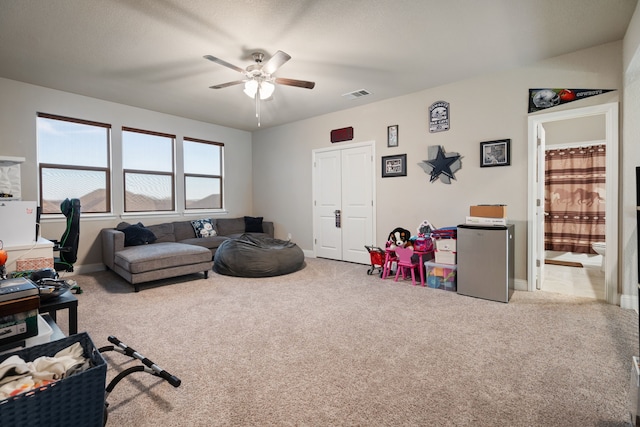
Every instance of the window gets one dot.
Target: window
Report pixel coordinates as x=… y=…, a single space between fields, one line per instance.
x=147 y=161
x=73 y=162
x=202 y=174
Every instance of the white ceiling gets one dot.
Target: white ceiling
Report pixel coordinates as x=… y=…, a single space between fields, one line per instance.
x=149 y=53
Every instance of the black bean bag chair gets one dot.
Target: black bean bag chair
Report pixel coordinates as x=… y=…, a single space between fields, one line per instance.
x=257 y=256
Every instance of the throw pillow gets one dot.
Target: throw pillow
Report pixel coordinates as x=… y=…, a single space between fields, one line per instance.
x=253 y=224
x=204 y=227
x=122 y=226
x=138 y=234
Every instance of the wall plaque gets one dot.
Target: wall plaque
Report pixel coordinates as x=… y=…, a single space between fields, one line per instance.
x=344 y=134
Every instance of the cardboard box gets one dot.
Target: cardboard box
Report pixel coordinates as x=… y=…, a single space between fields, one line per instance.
x=445 y=257
x=19 y=305
x=446 y=245
x=33 y=264
x=488 y=211
x=441 y=276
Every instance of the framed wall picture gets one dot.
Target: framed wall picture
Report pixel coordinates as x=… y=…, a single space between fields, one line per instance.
x=394 y=166
x=392 y=136
x=495 y=153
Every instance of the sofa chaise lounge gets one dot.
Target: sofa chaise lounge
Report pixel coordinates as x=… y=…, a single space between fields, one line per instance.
x=172 y=249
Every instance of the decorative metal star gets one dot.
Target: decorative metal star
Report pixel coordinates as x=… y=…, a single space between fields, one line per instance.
x=442 y=164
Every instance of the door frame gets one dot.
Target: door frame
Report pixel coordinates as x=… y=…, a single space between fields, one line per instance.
x=610 y=112
x=371 y=144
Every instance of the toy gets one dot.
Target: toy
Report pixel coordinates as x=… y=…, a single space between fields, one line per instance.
x=377 y=259
x=3 y=260
x=423 y=242
x=425 y=228
x=399 y=237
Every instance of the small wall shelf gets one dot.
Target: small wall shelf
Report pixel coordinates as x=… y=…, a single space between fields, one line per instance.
x=10 y=161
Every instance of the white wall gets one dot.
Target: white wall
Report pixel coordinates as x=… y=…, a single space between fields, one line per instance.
x=269 y=173
x=19 y=105
x=630 y=159
x=482 y=109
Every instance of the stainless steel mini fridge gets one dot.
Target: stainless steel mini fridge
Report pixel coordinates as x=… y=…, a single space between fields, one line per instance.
x=485 y=261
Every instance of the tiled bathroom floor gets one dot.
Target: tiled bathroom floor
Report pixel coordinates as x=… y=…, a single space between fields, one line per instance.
x=579 y=281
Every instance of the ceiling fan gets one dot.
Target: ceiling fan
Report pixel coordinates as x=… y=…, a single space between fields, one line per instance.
x=259 y=79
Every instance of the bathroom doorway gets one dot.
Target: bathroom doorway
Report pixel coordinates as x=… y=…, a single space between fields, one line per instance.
x=597 y=124
x=575 y=207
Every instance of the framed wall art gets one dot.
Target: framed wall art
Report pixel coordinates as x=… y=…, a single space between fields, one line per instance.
x=394 y=166
x=495 y=153
x=392 y=136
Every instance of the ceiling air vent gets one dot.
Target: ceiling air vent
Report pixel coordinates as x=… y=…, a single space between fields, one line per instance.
x=356 y=94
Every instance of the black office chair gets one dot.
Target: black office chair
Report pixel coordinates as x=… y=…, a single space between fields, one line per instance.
x=68 y=243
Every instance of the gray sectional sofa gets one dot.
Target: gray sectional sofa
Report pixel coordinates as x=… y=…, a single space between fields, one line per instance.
x=172 y=249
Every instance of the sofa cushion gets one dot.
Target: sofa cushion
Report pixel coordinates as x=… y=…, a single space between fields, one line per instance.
x=183 y=230
x=253 y=224
x=140 y=259
x=206 y=242
x=163 y=232
x=138 y=234
x=204 y=227
x=229 y=226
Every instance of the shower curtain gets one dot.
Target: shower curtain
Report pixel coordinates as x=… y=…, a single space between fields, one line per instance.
x=575 y=198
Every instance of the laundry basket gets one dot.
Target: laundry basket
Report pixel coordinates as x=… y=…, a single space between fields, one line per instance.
x=78 y=400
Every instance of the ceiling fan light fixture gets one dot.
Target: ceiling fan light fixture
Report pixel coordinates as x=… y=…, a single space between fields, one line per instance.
x=259 y=81
x=266 y=90
x=250 y=88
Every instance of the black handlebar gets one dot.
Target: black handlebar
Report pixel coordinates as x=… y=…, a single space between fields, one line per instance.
x=171 y=379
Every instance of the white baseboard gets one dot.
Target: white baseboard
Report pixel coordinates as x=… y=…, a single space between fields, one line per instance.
x=629 y=302
x=520 y=285
x=84 y=269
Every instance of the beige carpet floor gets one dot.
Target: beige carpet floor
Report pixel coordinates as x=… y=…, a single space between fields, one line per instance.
x=331 y=346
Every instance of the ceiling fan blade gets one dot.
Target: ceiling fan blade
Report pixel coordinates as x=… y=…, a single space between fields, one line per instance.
x=297 y=83
x=223 y=63
x=223 y=85
x=275 y=62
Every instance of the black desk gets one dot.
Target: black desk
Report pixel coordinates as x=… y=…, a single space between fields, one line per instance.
x=64 y=301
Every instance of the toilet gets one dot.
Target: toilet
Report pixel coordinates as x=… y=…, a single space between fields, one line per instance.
x=600 y=248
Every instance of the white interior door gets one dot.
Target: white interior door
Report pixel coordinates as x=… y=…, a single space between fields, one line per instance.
x=328 y=201
x=357 y=204
x=343 y=203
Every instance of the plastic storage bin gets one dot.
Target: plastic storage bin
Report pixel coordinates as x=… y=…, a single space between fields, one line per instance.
x=78 y=400
x=446 y=257
x=441 y=276
x=44 y=334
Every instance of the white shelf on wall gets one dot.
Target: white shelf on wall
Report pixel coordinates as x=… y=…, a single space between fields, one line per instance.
x=10 y=161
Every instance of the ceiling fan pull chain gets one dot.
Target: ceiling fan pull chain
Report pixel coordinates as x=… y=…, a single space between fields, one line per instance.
x=258 y=105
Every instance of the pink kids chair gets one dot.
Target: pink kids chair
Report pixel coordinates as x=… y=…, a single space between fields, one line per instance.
x=405 y=263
